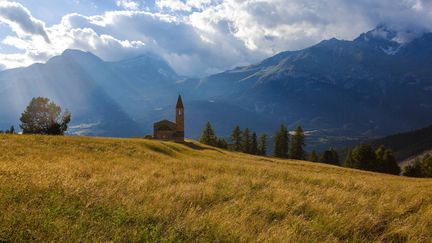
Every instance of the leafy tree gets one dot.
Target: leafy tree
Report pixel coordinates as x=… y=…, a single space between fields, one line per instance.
x=381 y=160
x=330 y=157
x=246 y=141
x=313 y=157
x=386 y=162
x=262 y=146
x=281 y=142
x=422 y=167
x=236 y=138
x=254 y=144
x=222 y=143
x=361 y=157
x=297 y=144
x=44 y=117
x=208 y=135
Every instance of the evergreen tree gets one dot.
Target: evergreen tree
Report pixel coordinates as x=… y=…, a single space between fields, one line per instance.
x=313 y=157
x=222 y=143
x=208 y=135
x=281 y=142
x=297 y=144
x=262 y=146
x=335 y=156
x=246 y=141
x=236 y=138
x=12 y=130
x=254 y=144
x=330 y=157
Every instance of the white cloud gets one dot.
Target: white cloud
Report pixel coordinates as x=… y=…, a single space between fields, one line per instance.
x=178 y=5
x=202 y=36
x=20 y=20
x=128 y=4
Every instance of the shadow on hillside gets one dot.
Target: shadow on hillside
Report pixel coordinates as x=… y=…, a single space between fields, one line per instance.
x=198 y=147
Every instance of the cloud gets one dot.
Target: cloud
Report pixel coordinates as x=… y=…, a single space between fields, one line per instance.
x=187 y=49
x=277 y=25
x=178 y=5
x=128 y=4
x=198 y=37
x=21 y=21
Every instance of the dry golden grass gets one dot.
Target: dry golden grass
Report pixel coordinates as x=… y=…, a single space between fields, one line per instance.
x=95 y=189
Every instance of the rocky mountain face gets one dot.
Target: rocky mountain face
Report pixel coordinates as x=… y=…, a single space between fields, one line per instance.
x=372 y=86
x=339 y=91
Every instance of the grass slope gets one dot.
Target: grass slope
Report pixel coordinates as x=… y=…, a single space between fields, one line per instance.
x=93 y=189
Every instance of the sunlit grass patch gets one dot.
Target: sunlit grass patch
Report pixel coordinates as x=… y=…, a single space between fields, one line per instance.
x=104 y=189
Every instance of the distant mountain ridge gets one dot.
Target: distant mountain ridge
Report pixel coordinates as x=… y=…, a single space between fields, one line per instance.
x=355 y=88
x=339 y=91
x=103 y=95
x=408 y=144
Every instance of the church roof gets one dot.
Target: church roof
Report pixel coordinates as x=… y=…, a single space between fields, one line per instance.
x=179 y=102
x=164 y=122
x=165 y=125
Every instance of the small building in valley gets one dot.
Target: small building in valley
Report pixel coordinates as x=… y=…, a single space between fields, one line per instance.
x=168 y=130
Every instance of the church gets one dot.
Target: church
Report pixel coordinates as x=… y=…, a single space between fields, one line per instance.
x=167 y=130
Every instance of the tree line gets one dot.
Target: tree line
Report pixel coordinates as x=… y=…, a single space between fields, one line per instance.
x=291 y=146
x=245 y=141
x=11 y=130
x=249 y=142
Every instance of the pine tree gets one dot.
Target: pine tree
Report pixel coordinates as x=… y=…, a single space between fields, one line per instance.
x=222 y=143
x=246 y=141
x=254 y=144
x=281 y=142
x=330 y=157
x=313 y=157
x=236 y=138
x=12 y=130
x=297 y=144
x=208 y=135
x=335 y=156
x=348 y=160
x=262 y=146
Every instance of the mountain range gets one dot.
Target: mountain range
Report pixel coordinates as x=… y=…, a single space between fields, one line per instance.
x=340 y=91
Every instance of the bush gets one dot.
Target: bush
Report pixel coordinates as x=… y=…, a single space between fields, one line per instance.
x=421 y=167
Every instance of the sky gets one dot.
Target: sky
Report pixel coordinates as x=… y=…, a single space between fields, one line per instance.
x=196 y=37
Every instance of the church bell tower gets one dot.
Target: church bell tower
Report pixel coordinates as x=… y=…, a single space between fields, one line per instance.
x=180 y=117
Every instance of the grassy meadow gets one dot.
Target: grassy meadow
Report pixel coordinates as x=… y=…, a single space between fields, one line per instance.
x=69 y=189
